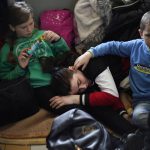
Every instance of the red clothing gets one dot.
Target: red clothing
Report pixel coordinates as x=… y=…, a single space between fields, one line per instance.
x=105 y=99
x=104 y=91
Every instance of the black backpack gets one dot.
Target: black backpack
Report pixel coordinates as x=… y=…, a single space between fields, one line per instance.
x=76 y=129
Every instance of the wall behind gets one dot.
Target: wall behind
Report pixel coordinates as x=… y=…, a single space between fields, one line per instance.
x=40 y=5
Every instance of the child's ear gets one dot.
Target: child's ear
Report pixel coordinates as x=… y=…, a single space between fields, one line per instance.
x=141 y=33
x=11 y=28
x=71 y=68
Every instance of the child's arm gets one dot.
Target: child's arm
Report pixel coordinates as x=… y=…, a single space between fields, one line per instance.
x=23 y=58
x=92 y=99
x=107 y=95
x=58 y=43
x=9 y=70
x=126 y=100
x=122 y=49
x=59 y=101
x=51 y=36
x=83 y=60
x=59 y=47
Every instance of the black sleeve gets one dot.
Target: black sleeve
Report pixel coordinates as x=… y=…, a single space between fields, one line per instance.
x=96 y=66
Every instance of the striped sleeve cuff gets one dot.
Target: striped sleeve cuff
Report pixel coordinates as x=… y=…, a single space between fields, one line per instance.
x=90 y=51
x=84 y=99
x=122 y=112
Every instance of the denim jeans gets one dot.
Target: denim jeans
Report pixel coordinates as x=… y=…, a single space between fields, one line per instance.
x=141 y=115
x=141 y=118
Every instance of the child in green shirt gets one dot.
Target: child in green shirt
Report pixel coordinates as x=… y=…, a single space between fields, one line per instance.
x=26 y=47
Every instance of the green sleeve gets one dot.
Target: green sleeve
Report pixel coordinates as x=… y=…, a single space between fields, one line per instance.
x=60 y=47
x=9 y=71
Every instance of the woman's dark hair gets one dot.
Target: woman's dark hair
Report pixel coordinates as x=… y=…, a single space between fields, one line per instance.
x=145 y=20
x=60 y=83
x=17 y=14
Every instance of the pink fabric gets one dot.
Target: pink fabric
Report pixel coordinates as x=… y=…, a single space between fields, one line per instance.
x=59 y=21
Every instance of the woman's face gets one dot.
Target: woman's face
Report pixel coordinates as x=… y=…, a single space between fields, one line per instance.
x=79 y=83
x=24 y=29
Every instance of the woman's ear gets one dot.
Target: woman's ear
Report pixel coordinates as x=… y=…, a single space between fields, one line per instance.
x=71 y=68
x=11 y=28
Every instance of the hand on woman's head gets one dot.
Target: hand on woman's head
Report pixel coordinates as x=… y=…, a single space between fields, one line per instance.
x=82 y=60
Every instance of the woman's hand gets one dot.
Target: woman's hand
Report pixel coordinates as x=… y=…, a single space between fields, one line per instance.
x=51 y=36
x=23 y=58
x=83 y=60
x=59 y=101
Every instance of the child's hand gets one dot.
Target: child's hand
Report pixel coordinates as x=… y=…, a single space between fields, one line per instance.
x=126 y=116
x=51 y=36
x=23 y=58
x=59 y=101
x=82 y=60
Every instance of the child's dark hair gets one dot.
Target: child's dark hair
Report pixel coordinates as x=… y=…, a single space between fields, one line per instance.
x=145 y=20
x=18 y=13
x=60 y=83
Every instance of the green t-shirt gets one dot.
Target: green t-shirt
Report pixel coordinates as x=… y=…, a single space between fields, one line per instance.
x=34 y=70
